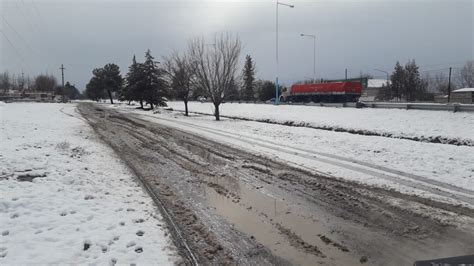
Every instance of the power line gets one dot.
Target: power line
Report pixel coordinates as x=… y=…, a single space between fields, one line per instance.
x=37 y=9
x=24 y=17
x=19 y=36
x=13 y=46
x=435 y=70
x=16 y=51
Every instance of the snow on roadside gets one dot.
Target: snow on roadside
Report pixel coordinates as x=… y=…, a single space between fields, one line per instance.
x=82 y=205
x=404 y=123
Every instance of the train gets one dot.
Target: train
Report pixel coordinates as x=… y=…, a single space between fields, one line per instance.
x=344 y=91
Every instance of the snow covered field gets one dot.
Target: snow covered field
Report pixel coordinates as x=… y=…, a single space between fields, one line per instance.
x=405 y=123
x=443 y=166
x=67 y=199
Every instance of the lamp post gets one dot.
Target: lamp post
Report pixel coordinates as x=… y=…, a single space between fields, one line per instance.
x=383 y=71
x=314 y=52
x=277 y=100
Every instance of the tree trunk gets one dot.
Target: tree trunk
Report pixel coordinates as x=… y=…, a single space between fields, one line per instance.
x=141 y=104
x=110 y=96
x=216 y=112
x=186 y=108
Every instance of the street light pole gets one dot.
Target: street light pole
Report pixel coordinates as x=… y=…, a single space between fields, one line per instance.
x=277 y=100
x=383 y=72
x=314 y=52
x=386 y=72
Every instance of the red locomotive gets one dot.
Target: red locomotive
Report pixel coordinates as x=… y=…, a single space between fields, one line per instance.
x=347 y=91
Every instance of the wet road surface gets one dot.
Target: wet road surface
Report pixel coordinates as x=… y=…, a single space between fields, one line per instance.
x=233 y=207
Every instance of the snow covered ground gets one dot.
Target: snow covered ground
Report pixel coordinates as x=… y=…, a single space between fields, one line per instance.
x=407 y=123
x=82 y=205
x=444 y=167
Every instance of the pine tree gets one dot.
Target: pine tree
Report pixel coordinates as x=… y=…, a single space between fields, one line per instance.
x=397 y=82
x=249 y=78
x=133 y=90
x=111 y=79
x=233 y=93
x=154 y=86
x=106 y=79
x=412 y=83
x=94 y=89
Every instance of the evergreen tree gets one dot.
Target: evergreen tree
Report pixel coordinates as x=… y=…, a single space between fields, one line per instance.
x=133 y=90
x=71 y=91
x=397 y=82
x=154 y=85
x=106 y=79
x=94 y=89
x=111 y=79
x=384 y=93
x=414 y=86
x=233 y=93
x=266 y=90
x=249 y=79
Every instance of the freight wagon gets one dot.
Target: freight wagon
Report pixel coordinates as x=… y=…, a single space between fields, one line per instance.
x=348 y=91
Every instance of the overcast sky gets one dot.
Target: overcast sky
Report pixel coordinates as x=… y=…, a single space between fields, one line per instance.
x=37 y=36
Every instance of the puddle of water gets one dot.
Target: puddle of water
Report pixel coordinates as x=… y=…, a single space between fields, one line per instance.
x=264 y=232
x=259 y=221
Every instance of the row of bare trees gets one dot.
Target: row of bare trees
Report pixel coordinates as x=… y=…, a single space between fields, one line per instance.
x=461 y=78
x=208 y=70
x=202 y=69
x=20 y=83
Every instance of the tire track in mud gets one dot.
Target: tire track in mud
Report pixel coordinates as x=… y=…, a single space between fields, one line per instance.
x=407 y=179
x=180 y=241
x=349 y=201
x=202 y=238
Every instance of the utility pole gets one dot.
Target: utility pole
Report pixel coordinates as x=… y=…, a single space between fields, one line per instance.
x=346 y=73
x=277 y=100
x=388 y=86
x=22 y=81
x=62 y=79
x=449 y=85
x=62 y=74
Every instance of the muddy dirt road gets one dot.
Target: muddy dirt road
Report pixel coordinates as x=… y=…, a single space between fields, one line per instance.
x=233 y=207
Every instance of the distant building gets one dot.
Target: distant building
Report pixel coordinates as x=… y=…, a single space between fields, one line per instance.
x=465 y=95
x=372 y=90
x=28 y=96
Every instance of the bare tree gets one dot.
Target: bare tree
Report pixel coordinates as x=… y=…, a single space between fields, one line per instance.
x=215 y=66
x=21 y=82
x=5 y=82
x=45 y=83
x=438 y=83
x=30 y=84
x=466 y=77
x=180 y=77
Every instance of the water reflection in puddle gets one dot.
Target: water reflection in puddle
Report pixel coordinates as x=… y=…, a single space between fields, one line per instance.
x=256 y=213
